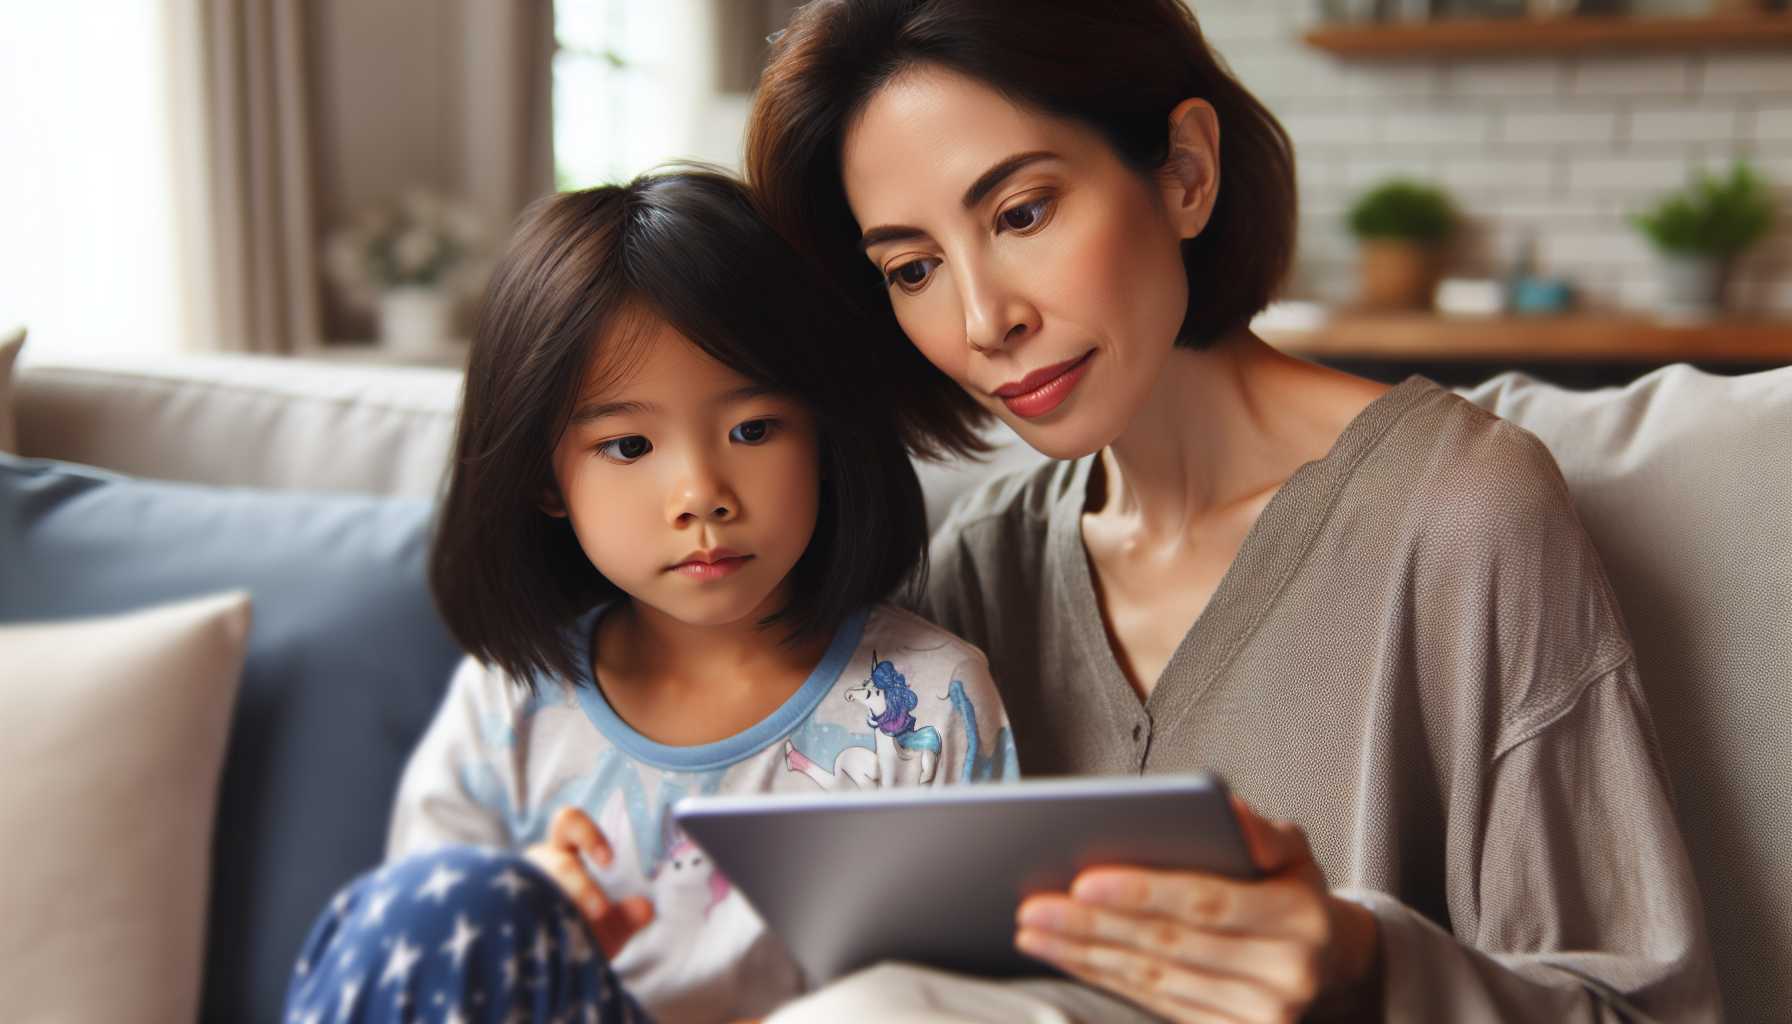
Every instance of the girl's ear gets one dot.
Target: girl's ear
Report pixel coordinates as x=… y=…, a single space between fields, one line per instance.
x=552 y=503
x=1190 y=176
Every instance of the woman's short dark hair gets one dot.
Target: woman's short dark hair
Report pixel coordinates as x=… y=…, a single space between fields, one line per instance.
x=582 y=270
x=1118 y=66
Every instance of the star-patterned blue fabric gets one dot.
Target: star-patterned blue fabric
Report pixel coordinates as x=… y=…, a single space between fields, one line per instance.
x=460 y=935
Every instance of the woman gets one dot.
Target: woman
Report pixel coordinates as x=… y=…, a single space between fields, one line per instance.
x=1372 y=609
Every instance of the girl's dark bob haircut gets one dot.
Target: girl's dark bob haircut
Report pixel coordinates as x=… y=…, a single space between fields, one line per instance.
x=583 y=270
x=1117 y=66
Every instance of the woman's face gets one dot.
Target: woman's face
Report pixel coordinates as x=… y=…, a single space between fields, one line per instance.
x=1021 y=255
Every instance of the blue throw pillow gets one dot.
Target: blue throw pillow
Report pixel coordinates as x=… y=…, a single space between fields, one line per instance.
x=347 y=662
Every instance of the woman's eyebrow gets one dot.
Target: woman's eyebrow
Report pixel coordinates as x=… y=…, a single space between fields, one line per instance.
x=980 y=189
x=990 y=179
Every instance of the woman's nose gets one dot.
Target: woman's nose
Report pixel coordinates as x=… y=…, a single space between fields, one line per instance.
x=994 y=315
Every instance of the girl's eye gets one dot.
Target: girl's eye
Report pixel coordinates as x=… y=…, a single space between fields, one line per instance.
x=751 y=432
x=1025 y=217
x=625 y=449
x=911 y=276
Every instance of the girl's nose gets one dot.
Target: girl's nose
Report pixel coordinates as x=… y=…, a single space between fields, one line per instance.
x=703 y=498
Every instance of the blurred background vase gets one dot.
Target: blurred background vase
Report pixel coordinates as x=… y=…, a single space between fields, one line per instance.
x=1700 y=232
x=1398 y=274
x=415 y=318
x=1401 y=227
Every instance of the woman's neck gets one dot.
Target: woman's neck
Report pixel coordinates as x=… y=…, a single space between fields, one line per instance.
x=1222 y=426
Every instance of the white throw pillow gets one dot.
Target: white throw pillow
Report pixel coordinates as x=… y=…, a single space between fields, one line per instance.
x=114 y=734
x=10 y=342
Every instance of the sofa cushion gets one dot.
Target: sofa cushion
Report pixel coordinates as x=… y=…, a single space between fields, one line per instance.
x=1684 y=481
x=110 y=828
x=246 y=421
x=347 y=661
x=11 y=340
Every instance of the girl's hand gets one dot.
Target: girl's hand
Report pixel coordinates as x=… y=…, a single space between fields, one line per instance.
x=572 y=833
x=1200 y=948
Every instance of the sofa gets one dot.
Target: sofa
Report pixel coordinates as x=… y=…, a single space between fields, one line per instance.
x=307 y=484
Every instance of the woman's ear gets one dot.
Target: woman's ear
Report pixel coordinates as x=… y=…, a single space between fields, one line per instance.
x=1190 y=176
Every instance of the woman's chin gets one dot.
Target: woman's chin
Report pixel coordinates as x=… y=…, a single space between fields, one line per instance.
x=1063 y=436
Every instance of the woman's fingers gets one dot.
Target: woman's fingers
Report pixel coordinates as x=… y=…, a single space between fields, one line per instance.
x=1284 y=907
x=572 y=827
x=1285 y=965
x=1175 y=991
x=563 y=865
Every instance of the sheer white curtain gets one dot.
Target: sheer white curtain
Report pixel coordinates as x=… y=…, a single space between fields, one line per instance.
x=89 y=256
x=244 y=190
x=155 y=180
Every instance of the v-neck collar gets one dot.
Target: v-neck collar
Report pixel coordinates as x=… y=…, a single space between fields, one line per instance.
x=1274 y=547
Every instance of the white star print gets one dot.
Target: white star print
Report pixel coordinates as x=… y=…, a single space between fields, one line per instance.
x=440 y=881
x=340 y=903
x=511 y=882
x=376 y=907
x=399 y=964
x=464 y=934
x=512 y=967
x=454 y=1016
x=578 y=948
x=350 y=989
x=544 y=946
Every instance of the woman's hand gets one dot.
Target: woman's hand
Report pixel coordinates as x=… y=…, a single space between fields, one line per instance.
x=1199 y=948
x=572 y=833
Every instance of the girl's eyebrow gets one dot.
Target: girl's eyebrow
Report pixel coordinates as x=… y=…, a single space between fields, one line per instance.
x=598 y=410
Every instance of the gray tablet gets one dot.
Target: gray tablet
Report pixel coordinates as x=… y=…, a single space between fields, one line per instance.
x=934 y=876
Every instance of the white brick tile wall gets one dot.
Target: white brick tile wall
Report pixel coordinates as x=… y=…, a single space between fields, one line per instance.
x=1531 y=128
x=1630 y=76
x=1682 y=124
x=1564 y=148
x=1437 y=128
x=1773 y=124
x=1756 y=74
x=1505 y=80
x=1627 y=174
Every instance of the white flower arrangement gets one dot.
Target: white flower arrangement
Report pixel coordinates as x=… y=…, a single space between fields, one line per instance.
x=422 y=240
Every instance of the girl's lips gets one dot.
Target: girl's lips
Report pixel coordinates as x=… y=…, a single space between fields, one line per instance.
x=712 y=570
x=1044 y=390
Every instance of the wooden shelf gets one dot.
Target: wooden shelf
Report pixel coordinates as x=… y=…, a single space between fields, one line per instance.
x=1584 y=338
x=1519 y=37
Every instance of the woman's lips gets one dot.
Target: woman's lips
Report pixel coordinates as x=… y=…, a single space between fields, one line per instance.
x=1043 y=390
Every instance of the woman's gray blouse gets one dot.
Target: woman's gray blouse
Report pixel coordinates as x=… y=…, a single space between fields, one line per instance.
x=1416 y=656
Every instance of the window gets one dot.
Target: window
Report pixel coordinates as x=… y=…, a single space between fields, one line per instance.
x=638 y=83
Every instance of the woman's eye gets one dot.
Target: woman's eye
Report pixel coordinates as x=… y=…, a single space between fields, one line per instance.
x=1026 y=216
x=751 y=432
x=625 y=449
x=912 y=275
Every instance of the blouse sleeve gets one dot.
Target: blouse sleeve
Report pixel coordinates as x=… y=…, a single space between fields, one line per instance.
x=1586 y=907
x=455 y=786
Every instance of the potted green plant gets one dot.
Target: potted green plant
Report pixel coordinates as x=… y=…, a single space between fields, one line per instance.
x=1699 y=232
x=1401 y=227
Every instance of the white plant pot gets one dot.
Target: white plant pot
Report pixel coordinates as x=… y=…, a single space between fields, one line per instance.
x=415 y=320
x=1692 y=287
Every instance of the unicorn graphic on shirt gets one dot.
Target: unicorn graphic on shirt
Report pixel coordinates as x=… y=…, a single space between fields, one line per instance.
x=890 y=705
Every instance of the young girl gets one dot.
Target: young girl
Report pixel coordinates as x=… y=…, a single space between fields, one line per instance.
x=675 y=506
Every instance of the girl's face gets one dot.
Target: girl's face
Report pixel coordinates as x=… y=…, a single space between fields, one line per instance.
x=1022 y=256
x=690 y=488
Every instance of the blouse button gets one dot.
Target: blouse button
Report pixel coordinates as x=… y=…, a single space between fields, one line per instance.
x=1137 y=729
